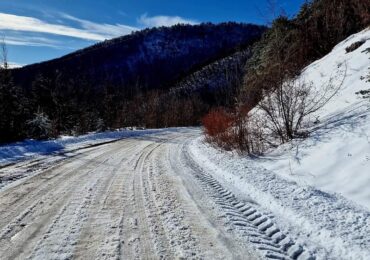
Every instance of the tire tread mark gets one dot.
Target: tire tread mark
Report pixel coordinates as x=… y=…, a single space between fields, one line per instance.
x=246 y=217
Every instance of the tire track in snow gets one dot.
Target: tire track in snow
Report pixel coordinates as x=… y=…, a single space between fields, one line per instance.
x=148 y=248
x=161 y=240
x=18 y=235
x=101 y=237
x=254 y=224
x=50 y=194
x=133 y=227
x=63 y=235
x=17 y=199
x=155 y=214
x=108 y=211
x=165 y=207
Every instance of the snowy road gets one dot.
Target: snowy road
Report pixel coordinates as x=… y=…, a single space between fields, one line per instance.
x=120 y=200
x=143 y=197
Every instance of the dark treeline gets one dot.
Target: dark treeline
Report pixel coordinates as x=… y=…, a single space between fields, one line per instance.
x=56 y=107
x=13 y=107
x=135 y=80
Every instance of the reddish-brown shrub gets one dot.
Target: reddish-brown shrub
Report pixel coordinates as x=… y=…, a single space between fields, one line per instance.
x=217 y=122
x=233 y=131
x=218 y=126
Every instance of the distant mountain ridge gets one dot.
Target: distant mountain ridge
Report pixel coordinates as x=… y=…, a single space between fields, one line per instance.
x=150 y=59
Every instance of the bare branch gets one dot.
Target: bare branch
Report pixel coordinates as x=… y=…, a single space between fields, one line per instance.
x=3 y=54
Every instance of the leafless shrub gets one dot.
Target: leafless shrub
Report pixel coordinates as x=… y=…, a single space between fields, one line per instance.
x=249 y=134
x=283 y=114
x=289 y=110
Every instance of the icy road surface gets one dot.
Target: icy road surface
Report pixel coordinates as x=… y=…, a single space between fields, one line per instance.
x=143 y=197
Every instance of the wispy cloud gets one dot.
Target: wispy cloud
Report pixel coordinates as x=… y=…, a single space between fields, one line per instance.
x=88 y=31
x=105 y=30
x=162 y=20
x=23 y=40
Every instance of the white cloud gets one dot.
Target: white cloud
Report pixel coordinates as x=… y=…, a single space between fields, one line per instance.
x=105 y=30
x=89 y=31
x=161 y=20
x=13 y=65
x=24 y=40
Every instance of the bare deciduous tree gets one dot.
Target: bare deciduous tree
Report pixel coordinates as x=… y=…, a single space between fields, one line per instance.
x=3 y=54
x=271 y=11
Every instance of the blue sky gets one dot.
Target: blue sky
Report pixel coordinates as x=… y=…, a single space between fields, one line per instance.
x=38 y=30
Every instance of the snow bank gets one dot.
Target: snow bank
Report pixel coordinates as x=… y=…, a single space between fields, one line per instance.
x=30 y=148
x=315 y=219
x=336 y=158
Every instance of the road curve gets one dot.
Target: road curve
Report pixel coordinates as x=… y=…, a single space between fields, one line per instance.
x=137 y=198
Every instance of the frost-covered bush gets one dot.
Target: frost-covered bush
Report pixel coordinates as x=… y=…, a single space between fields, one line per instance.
x=100 y=125
x=40 y=126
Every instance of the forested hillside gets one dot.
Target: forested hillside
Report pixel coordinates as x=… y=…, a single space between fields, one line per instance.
x=121 y=82
x=151 y=59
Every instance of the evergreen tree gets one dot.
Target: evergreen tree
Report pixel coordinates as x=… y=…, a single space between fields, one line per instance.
x=11 y=107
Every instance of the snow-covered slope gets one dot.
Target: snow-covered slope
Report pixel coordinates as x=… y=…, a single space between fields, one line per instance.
x=336 y=158
x=317 y=189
